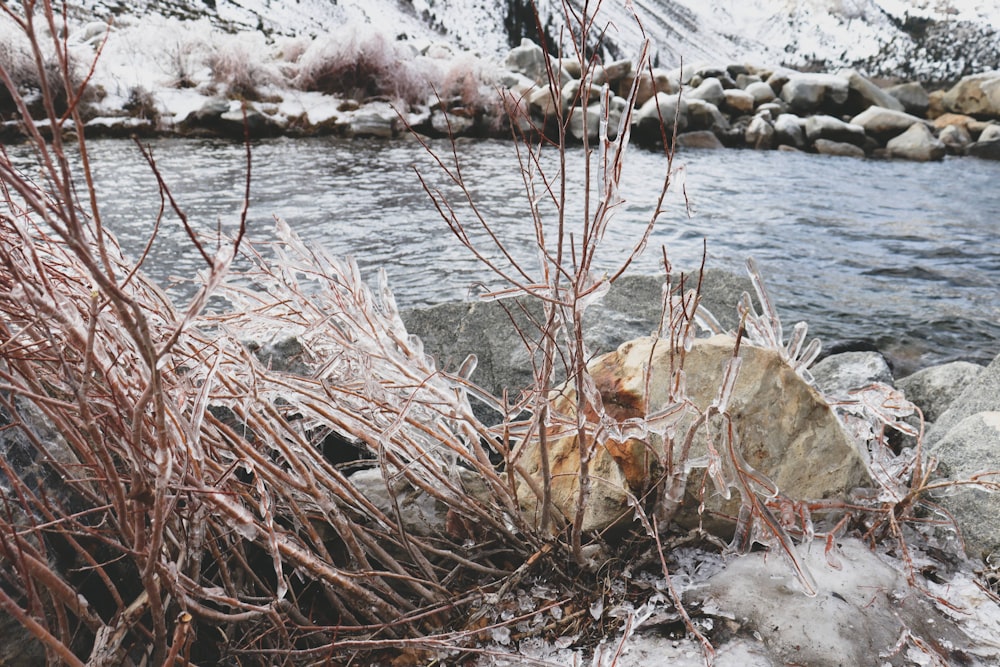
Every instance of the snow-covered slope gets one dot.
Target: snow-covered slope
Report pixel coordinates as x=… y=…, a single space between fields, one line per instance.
x=911 y=39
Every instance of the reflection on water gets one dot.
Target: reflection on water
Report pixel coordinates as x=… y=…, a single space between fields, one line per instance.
x=903 y=254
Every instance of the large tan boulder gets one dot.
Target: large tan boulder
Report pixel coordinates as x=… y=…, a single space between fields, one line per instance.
x=784 y=427
x=975 y=95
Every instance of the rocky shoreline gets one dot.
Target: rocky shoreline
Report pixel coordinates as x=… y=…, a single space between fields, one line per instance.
x=447 y=93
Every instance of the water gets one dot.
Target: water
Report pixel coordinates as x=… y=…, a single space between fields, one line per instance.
x=901 y=254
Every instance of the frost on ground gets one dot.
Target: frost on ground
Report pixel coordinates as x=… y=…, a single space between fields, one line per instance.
x=755 y=614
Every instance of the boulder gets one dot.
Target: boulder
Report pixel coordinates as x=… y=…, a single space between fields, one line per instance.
x=699 y=139
x=762 y=92
x=704 y=115
x=709 y=90
x=573 y=94
x=647 y=119
x=744 y=79
x=807 y=93
x=784 y=430
x=788 y=131
x=947 y=119
x=975 y=95
x=912 y=96
x=450 y=124
x=934 y=388
x=955 y=139
x=838 y=374
x=981 y=395
x=529 y=59
x=760 y=132
x=615 y=72
x=867 y=94
x=838 y=148
x=834 y=129
x=377 y=119
x=592 y=119
x=866 y=611
x=884 y=124
x=659 y=81
x=986 y=150
x=738 y=101
x=990 y=133
x=972 y=447
x=917 y=143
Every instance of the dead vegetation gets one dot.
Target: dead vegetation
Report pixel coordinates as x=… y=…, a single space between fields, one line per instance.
x=170 y=498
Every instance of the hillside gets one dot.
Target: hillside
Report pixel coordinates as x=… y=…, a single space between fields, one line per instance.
x=929 y=40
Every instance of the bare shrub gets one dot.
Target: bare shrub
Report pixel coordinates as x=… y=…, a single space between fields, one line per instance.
x=242 y=64
x=363 y=63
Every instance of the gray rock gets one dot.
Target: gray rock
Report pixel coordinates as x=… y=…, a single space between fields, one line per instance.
x=592 y=119
x=917 y=143
x=451 y=124
x=529 y=59
x=863 y=605
x=838 y=374
x=762 y=92
x=670 y=108
x=788 y=131
x=912 y=96
x=833 y=129
x=809 y=92
x=933 y=389
x=838 y=148
x=377 y=119
x=704 y=115
x=884 y=124
x=987 y=150
x=972 y=447
x=760 y=132
x=982 y=394
x=699 y=139
x=710 y=90
x=871 y=94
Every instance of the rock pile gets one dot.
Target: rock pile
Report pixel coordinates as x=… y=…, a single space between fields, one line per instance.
x=840 y=113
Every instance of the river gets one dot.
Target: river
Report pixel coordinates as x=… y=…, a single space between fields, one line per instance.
x=904 y=255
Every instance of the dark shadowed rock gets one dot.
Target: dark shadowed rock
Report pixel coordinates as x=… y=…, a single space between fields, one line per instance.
x=987 y=150
x=838 y=148
x=912 y=96
x=699 y=139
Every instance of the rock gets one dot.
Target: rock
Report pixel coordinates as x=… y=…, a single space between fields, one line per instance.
x=781 y=424
x=615 y=72
x=987 y=150
x=867 y=93
x=884 y=124
x=450 y=124
x=839 y=148
x=912 y=96
x=760 y=132
x=975 y=95
x=704 y=115
x=699 y=139
x=806 y=93
x=863 y=606
x=990 y=133
x=762 y=93
x=659 y=81
x=647 y=119
x=834 y=129
x=934 y=388
x=981 y=395
x=529 y=59
x=572 y=95
x=917 y=143
x=738 y=101
x=953 y=119
x=788 y=131
x=744 y=79
x=955 y=139
x=971 y=447
x=120 y=127
x=838 y=374
x=592 y=118
x=710 y=90
x=376 y=119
